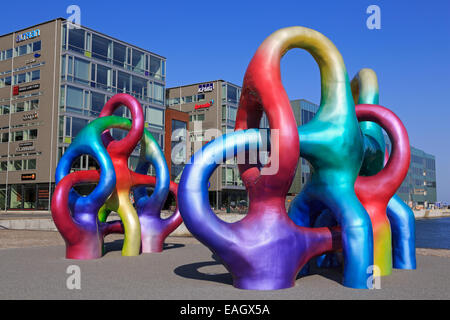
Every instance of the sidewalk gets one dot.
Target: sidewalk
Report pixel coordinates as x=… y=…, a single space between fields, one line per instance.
x=187 y=270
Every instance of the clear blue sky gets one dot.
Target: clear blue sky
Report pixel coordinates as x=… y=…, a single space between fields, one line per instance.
x=209 y=40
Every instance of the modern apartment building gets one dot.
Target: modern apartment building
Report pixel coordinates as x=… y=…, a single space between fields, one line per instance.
x=54 y=78
x=212 y=108
x=419 y=186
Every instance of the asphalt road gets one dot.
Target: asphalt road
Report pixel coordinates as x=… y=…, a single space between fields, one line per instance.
x=189 y=271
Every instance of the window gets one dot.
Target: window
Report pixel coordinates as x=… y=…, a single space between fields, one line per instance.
x=21 y=78
x=19 y=107
x=232 y=94
x=119 y=55
x=33 y=134
x=77 y=125
x=139 y=87
x=155 y=117
x=15 y=201
x=232 y=114
x=36 y=46
x=81 y=71
x=4 y=109
x=76 y=39
x=74 y=97
x=158 y=93
x=103 y=76
x=155 y=67
x=35 y=75
x=22 y=50
x=123 y=82
x=17 y=136
x=63 y=66
x=8 y=54
x=97 y=102
x=101 y=48
x=34 y=104
x=138 y=61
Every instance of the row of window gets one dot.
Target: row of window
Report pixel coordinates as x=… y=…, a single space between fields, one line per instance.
x=84 y=72
x=87 y=103
x=186 y=99
x=20 y=78
x=20 y=51
x=113 y=52
x=25 y=196
x=18 y=165
x=24 y=135
x=31 y=66
x=197 y=117
x=20 y=97
x=29 y=105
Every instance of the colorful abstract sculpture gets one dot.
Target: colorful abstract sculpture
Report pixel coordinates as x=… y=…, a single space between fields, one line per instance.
x=333 y=144
x=348 y=205
x=265 y=250
x=400 y=216
x=116 y=182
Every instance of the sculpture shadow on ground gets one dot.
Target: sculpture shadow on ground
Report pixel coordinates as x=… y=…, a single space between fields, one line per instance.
x=191 y=271
x=331 y=273
x=117 y=245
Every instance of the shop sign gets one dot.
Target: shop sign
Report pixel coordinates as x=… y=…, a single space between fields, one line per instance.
x=17 y=89
x=206 y=87
x=28 y=35
x=30 y=116
x=203 y=106
x=28 y=176
x=25 y=147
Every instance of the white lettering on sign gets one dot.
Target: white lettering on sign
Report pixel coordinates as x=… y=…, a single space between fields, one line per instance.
x=206 y=87
x=28 y=35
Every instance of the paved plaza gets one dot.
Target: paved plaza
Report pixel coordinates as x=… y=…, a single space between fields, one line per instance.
x=32 y=266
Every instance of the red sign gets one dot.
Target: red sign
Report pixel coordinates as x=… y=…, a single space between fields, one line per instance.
x=206 y=105
x=15 y=90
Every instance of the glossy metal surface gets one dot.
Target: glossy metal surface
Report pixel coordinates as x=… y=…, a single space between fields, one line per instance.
x=400 y=216
x=76 y=216
x=265 y=250
x=144 y=229
x=333 y=143
x=403 y=228
x=116 y=182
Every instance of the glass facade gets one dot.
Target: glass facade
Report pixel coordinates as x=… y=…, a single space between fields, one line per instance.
x=94 y=67
x=419 y=187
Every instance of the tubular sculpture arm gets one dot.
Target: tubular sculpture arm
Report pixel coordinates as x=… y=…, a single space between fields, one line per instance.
x=332 y=142
x=81 y=231
x=375 y=191
x=265 y=250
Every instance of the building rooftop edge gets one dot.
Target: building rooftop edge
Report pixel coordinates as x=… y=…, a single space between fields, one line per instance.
x=197 y=83
x=99 y=32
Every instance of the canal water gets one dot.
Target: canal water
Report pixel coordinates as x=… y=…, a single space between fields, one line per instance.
x=433 y=233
